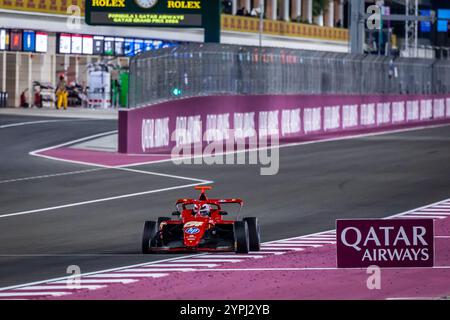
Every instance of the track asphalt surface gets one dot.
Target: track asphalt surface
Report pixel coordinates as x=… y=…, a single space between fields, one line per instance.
x=374 y=176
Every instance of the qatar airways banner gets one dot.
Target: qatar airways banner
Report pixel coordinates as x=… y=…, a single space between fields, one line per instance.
x=385 y=243
x=159 y=128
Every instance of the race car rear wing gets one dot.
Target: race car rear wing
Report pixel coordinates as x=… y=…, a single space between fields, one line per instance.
x=188 y=201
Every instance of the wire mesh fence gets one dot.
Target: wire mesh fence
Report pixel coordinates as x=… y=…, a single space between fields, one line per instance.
x=217 y=69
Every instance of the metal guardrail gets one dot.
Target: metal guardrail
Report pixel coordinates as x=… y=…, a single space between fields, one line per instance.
x=216 y=69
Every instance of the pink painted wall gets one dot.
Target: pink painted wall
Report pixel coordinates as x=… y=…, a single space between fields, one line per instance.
x=296 y=117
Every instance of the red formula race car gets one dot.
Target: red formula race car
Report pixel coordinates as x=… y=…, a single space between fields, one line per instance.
x=200 y=226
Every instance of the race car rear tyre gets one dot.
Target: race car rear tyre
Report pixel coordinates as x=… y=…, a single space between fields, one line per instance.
x=241 y=237
x=254 y=234
x=148 y=235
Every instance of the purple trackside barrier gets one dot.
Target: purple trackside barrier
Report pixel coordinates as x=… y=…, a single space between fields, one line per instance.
x=292 y=117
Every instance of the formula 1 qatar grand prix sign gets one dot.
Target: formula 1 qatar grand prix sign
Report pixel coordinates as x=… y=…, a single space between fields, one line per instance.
x=385 y=243
x=157 y=13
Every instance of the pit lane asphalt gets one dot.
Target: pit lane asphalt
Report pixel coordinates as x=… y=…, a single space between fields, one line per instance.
x=373 y=177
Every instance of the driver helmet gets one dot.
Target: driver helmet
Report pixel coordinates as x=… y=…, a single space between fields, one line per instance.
x=203 y=210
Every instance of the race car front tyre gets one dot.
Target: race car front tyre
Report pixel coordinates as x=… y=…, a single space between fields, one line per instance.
x=162 y=219
x=241 y=237
x=148 y=235
x=254 y=234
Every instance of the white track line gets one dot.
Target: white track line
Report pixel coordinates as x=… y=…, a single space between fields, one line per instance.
x=177 y=265
x=322 y=236
x=62 y=287
x=124 y=196
x=282 y=248
x=34 y=152
x=412 y=298
x=65 y=278
x=349 y=137
x=416 y=209
x=50 y=175
x=287 y=145
x=276 y=269
x=143 y=269
x=19 y=124
x=286 y=244
x=312 y=269
x=322 y=240
x=209 y=260
x=298 y=244
x=37 y=153
x=434 y=213
x=128 y=275
x=410 y=216
x=162 y=174
x=233 y=256
x=307 y=240
x=289 y=243
x=175 y=262
x=30 y=294
x=269 y=252
x=96 y=281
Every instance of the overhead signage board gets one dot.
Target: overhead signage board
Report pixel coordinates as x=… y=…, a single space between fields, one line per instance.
x=16 y=40
x=65 y=41
x=88 y=44
x=443 y=23
x=108 y=46
x=77 y=44
x=425 y=26
x=157 y=13
x=29 y=41
x=129 y=47
x=3 y=39
x=118 y=46
x=98 y=45
x=41 y=42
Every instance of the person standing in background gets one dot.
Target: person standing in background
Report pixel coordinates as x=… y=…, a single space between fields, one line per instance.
x=61 y=93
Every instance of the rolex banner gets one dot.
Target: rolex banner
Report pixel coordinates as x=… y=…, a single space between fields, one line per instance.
x=149 y=13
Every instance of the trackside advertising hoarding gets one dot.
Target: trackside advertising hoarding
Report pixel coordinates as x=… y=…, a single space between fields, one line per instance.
x=385 y=243
x=148 y=130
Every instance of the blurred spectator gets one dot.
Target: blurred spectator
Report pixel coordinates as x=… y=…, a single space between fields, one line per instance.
x=242 y=12
x=255 y=12
x=61 y=93
x=226 y=6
